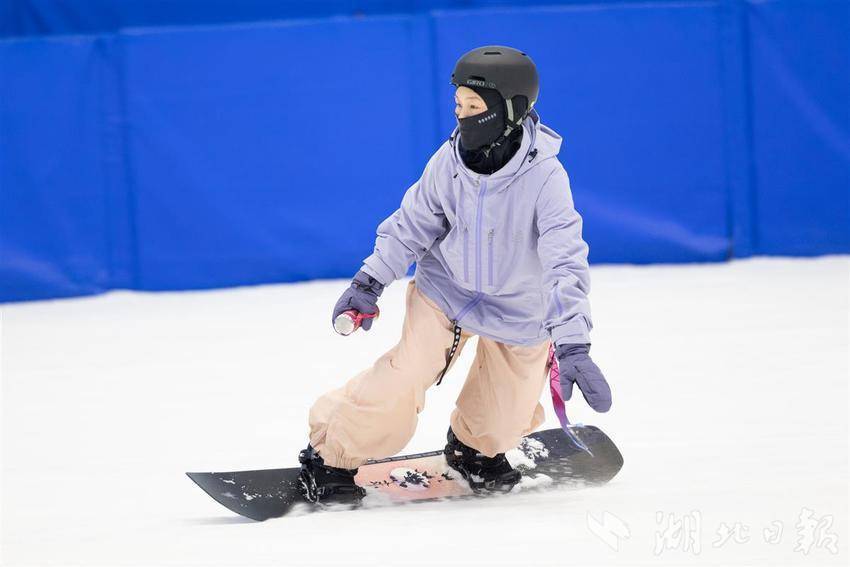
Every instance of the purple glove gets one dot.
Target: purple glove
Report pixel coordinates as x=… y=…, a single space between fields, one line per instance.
x=575 y=366
x=362 y=296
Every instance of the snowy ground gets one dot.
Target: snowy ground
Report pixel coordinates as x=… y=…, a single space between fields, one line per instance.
x=730 y=407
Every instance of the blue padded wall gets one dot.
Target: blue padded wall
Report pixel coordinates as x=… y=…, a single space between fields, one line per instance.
x=53 y=191
x=64 y=17
x=194 y=157
x=269 y=153
x=801 y=126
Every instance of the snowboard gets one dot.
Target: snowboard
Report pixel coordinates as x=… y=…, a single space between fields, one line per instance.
x=576 y=456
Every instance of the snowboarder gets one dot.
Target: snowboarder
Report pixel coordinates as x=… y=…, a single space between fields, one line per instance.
x=499 y=254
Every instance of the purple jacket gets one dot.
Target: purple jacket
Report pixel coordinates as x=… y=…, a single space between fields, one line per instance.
x=501 y=254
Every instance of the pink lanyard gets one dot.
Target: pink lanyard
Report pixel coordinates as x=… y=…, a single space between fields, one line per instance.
x=558 y=400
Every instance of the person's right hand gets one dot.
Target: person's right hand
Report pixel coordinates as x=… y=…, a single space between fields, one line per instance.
x=362 y=296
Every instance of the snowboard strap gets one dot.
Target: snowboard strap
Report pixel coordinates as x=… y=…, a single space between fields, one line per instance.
x=457 y=331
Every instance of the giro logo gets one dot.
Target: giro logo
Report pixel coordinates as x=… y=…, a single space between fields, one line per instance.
x=477 y=83
x=487 y=118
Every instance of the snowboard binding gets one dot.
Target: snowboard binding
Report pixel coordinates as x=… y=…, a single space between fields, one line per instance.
x=322 y=484
x=484 y=474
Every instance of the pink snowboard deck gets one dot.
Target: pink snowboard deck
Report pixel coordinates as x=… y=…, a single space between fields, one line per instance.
x=422 y=478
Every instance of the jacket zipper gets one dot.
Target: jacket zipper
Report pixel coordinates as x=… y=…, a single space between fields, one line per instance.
x=466 y=254
x=490 y=257
x=479 y=294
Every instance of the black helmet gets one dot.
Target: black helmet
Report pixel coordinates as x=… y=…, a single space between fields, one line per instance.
x=505 y=69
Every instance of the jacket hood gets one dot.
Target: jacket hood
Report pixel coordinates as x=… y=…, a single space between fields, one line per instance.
x=539 y=143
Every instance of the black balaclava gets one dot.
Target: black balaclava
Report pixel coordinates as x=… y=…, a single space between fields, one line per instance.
x=483 y=146
x=481 y=130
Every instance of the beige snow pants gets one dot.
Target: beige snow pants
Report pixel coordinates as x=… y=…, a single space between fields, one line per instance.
x=374 y=415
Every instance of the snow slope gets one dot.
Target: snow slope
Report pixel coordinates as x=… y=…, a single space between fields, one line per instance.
x=730 y=407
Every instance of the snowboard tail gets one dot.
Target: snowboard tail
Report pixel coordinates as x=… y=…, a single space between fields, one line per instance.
x=579 y=455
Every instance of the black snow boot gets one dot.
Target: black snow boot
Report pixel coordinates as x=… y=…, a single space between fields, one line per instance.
x=322 y=483
x=483 y=473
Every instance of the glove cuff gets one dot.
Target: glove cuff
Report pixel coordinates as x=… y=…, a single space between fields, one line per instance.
x=571 y=349
x=367 y=283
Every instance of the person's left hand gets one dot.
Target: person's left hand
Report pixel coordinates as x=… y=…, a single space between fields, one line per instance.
x=576 y=367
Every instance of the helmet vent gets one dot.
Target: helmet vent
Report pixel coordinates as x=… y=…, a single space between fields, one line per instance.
x=477 y=78
x=492 y=53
